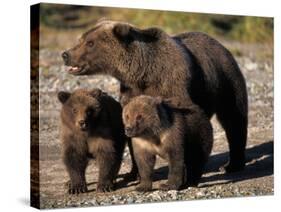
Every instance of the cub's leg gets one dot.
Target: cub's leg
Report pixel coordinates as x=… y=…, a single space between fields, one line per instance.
x=76 y=164
x=145 y=161
x=109 y=165
x=176 y=165
x=195 y=161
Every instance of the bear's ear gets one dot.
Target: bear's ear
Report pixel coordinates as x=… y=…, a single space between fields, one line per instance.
x=123 y=31
x=96 y=93
x=150 y=34
x=63 y=96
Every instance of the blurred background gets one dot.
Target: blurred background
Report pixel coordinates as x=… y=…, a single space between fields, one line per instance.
x=240 y=28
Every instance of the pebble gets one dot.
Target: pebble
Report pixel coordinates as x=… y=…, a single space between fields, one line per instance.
x=130 y=200
x=173 y=194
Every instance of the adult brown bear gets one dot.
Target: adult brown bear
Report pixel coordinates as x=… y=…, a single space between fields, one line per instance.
x=192 y=66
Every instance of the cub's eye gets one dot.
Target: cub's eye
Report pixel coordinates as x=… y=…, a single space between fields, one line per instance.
x=90 y=43
x=74 y=110
x=138 y=117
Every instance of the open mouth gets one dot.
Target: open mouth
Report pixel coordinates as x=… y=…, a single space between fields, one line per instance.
x=75 y=69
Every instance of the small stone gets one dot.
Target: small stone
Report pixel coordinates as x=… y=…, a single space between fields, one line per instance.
x=200 y=194
x=173 y=194
x=130 y=200
x=93 y=202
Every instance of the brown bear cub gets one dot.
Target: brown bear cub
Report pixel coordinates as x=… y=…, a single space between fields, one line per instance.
x=184 y=137
x=91 y=127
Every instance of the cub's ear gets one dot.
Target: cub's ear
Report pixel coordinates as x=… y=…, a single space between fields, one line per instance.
x=63 y=96
x=123 y=31
x=158 y=100
x=96 y=93
x=175 y=103
x=172 y=102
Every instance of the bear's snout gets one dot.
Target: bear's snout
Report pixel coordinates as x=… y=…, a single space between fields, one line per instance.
x=83 y=124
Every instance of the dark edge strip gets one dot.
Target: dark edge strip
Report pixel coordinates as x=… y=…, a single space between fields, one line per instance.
x=34 y=106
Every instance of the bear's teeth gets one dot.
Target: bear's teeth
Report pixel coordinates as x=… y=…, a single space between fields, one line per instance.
x=73 y=69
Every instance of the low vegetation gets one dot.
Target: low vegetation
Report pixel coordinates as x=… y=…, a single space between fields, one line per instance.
x=246 y=29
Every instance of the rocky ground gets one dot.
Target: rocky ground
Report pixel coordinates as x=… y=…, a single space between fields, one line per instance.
x=256 y=179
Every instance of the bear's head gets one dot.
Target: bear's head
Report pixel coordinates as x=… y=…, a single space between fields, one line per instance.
x=81 y=109
x=107 y=47
x=145 y=115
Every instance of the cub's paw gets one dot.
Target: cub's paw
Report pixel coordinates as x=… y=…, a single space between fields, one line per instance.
x=77 y=188
x=105 y=187
x=167 y=187
x=144 y=187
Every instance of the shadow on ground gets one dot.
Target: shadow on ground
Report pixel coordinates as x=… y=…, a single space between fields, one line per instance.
x=259 y=163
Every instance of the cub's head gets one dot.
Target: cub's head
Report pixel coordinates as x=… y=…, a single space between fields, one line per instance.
x=146 y=115
x=105 y=47
x=81 y=108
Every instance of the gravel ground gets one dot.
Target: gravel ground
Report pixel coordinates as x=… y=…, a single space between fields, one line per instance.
x=256 y=179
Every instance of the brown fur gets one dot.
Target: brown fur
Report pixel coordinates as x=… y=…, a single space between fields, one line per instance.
x=181 y=136
x=91 y=127
x=191 y=66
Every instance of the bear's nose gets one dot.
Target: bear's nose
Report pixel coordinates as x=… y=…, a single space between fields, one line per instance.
x=82 y=123
x=128 y=131
x=65 y=56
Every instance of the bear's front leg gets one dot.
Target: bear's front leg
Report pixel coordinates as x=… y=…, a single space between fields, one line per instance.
x=76 y=165
x=133 y=175
x=127 y=93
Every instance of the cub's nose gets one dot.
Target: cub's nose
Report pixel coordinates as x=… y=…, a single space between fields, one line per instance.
x=128 y=131
x=82 y=124
x=66 y=57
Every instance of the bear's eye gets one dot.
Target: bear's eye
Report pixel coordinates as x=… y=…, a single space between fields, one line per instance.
x=90 y=43
x=74 y=110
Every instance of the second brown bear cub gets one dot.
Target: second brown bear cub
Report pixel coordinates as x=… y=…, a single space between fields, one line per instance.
x=184 y=137
x=91 y=127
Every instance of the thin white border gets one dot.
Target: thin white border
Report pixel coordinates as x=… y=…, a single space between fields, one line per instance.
x=14 y=87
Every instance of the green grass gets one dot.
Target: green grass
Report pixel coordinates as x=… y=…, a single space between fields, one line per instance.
x=240 y=28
